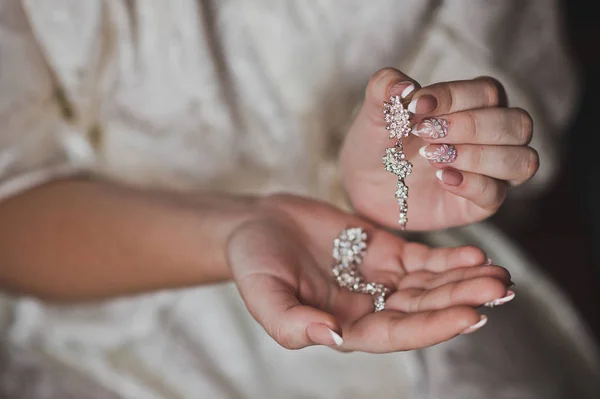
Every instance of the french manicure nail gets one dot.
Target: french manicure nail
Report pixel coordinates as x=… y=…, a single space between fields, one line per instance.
x=407 y=91
x=442 y=153
x=403 y=89
x=449 y=176
x=423 y=104
x=510 y=295
x=477 y=325
x=412 y=106
x=339 y=341
x=322 y=335
x=431 y=128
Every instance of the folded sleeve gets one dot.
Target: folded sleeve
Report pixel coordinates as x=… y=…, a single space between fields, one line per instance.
x=37 y=141
x=522 y=44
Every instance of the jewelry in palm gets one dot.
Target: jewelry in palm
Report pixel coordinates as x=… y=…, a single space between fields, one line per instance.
x=398 y=124
x=348 y=251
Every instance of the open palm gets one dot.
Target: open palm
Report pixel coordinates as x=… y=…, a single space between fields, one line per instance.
x=282 y=261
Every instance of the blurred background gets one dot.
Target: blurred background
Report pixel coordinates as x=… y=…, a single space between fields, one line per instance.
x=564 y=236
x=562 y=231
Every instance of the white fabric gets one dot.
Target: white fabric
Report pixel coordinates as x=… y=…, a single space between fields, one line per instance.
x=255 y=97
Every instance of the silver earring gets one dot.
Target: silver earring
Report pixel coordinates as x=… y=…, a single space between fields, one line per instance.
x=398 y=117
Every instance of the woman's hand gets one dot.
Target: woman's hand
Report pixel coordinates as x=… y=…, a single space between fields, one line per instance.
x=490 y=144
x=281 y=262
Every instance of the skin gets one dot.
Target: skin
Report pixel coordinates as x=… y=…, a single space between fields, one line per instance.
x=435 y=290
x=82 y=240
x=491 y=140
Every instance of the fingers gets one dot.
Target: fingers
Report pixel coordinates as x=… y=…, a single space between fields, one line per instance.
x=426 y=280
x=443 y=259
x=367 y=137
x=485 y=192
x=491 y=126
x=422 y=257
x=391 y=331
x=516 y=164
x=448 y=97
x=470 y=292
x=293 y=325
x=468 y=273
x=383 y=84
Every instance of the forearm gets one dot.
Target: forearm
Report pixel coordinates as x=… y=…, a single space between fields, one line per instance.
x=81 y=240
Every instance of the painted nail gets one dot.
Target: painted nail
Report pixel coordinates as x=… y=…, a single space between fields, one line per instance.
x=510 y=295
x=450 y=177
x=431 y=128
x=423 y=104
x=408 y=91
x=339 y=341
x=477 y=325
x=403 y=89
x=442 y=153
x=322 y=335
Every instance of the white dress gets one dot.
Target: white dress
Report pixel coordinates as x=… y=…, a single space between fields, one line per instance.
x=254 y=97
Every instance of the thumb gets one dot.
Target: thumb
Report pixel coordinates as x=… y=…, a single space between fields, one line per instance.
x=367 y=138
x=275 y=305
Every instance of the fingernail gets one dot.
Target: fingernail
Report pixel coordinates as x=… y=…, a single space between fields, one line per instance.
x=449 y=177
x=431 y=128
x=423 y=104
x=403 y=89
x=322 y=335
x=339 y=341
x=477 y=325
x=489 y=262
x=442 y=153
x=408 y=91
x=510 y=295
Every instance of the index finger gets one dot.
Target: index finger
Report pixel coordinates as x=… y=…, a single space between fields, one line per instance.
x=392 y=331
x=449 y=97
x=382 y=85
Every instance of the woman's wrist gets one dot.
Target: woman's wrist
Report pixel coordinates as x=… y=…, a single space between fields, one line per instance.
x=217 y=218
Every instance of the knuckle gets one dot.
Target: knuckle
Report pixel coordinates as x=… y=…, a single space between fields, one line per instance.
x=448 y=96
x=479 y=158
x=453 y=294
x=417 y=303
x=523 y=164
x=526 y=126
x=281 y=336
x=513 y=161
x=472 y=126
x=379 y=75
x=487 y=191
x=493 y=90
x=482 y=186
x=390 y=332
x=532 y=163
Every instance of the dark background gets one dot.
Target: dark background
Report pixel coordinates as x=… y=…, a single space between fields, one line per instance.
x=564 y=237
